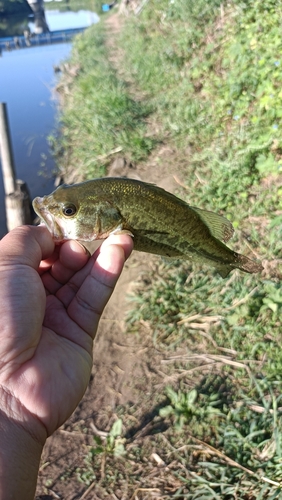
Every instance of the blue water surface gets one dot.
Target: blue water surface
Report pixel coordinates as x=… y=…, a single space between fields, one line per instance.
x=27 y=82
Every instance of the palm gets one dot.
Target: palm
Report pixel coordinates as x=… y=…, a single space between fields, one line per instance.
x=48 y=349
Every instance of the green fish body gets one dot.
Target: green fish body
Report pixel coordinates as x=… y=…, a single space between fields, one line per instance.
x=159 y=222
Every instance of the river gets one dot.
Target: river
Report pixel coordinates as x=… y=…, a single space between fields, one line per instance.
x=27 y=85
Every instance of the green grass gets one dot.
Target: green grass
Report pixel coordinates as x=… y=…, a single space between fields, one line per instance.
x=75 y=5
x=214 y=78
x=99 y=117
x=210 y=76
x=216 y=91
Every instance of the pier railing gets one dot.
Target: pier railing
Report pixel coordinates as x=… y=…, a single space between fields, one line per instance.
x=18 y=42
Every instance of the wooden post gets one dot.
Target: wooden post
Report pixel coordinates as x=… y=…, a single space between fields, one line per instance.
x=8 y=166
x=17 y=199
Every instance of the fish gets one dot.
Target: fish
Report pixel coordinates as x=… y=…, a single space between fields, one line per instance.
x=159 y=222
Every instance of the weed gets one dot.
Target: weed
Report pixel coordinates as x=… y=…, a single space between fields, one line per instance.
x=216 y=88
x=74 y=5
x=111 y=446
x=184 y=409
x=113 y=442
x=214 y=78
x=99 y=117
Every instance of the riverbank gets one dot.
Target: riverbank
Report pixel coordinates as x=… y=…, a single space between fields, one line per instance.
x=187 y=385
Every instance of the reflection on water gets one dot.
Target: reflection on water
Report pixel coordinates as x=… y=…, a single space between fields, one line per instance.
x=13 y=24
x=27 y=81
x=57 y=20
x=50 y=20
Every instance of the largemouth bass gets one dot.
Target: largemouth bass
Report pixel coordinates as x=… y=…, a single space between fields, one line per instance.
x=159 y=222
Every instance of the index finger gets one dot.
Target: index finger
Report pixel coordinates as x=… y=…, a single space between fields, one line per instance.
x=26 y=245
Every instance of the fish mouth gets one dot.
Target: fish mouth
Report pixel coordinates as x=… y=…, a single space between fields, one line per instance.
x=48 y=219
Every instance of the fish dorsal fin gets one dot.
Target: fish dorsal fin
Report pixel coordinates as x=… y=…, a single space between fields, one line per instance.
x=220 y=227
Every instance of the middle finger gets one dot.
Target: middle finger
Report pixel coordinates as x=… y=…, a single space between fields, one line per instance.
x=72 y=257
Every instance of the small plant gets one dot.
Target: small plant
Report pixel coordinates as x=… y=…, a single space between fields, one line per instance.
x=273 y=298
x=189 y=407
x=113 y=444
x=111 y=447
x=244 y=445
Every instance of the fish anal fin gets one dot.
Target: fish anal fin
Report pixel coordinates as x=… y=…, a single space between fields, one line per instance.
x=220 y=227
x=224 y=271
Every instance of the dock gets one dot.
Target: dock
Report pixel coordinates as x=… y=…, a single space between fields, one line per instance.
x=21 y=42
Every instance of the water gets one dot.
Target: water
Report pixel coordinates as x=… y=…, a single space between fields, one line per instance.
x=27 y=82
x=57 y=20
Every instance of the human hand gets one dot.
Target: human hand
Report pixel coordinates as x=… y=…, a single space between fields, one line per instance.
x=51 y=299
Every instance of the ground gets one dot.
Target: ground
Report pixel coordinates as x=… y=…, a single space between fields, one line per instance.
x=124 y=368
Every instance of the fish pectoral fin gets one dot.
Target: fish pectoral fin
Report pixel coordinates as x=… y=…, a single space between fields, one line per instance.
x=220 y=227
x=120 y=230
x=141 y=232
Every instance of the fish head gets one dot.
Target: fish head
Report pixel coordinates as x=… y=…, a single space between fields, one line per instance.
x=66 y=214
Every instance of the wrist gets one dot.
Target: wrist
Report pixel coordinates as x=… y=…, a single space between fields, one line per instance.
x=20 y=453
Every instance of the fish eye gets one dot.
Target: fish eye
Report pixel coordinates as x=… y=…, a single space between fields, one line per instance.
x=69 y=210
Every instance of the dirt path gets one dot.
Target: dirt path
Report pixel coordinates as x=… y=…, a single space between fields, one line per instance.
x=124 y=366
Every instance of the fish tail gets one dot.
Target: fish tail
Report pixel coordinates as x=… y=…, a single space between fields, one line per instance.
x=243 y=263
x=248 y=265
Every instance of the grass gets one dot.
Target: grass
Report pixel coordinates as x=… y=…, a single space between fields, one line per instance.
x=202 y=443
x=216 y=89
x=99 y=117
x=216 y=99
x=74 y=5
x=209 y=76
